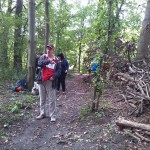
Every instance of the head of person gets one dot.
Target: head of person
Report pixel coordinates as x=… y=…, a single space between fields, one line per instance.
x=60 y=56
x=50 y=49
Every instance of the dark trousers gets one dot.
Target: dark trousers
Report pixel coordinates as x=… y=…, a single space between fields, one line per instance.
x=61 y=81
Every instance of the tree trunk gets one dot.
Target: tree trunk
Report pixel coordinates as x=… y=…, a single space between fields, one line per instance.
x=18 y=36
x=109 y=26
x=79 y=61
x=58 y=36
x=112 y=23
x=94 y=100
x=144 y=39
x=47 y=32
x=0 y=6
x=31 y=48
x=80 y=44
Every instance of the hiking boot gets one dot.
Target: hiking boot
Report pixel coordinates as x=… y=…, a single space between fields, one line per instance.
x=53 y=119
x=40 y=117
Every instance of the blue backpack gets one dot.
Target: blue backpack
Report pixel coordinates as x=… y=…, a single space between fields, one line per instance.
x=94 y=67
x=21 y=83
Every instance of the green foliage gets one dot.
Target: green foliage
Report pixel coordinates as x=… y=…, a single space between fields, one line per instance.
x=28 y=99
x=7 y=120
x=99 y=114
x=2 y=133
x=10 y=74
x=68 y=22
x=14 y=110
x=84 y=112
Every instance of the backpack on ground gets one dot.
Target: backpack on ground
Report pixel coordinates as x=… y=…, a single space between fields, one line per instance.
x=20 y=85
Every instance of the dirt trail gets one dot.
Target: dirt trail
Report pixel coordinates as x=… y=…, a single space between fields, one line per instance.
x=75 y=128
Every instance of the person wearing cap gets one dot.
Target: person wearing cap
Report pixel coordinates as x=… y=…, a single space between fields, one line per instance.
x=47 y=79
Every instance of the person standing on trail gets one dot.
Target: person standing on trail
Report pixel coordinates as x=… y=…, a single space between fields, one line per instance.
x=64 y=71
x=47 y=79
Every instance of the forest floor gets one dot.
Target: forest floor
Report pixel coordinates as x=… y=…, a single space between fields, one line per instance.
x=76 y=127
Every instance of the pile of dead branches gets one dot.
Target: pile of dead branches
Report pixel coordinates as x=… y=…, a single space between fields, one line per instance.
x=135 y=86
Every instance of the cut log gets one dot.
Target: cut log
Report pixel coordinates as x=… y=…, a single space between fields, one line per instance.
x=122 y=123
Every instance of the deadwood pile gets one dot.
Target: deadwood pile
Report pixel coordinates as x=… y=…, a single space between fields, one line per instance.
x=135 y=86
x=134 y=81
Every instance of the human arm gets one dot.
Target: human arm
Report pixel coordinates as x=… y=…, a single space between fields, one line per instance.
x=57 y=71
x=66 y=65
x=42 y=61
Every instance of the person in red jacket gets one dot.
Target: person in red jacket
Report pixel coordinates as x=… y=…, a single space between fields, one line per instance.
x=47 y=79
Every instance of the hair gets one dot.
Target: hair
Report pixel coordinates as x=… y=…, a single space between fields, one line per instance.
x=40 y=53
x=61 y=56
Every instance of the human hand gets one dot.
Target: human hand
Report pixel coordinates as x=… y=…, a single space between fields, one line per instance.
x=51 y=78
x=66 y=71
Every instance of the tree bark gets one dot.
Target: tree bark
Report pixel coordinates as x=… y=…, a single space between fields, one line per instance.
x=112 y=23
x=47 y=32
x=144 y=39
x=80 y=51
x=18 y=36
x=31 y=48
x=80 y=43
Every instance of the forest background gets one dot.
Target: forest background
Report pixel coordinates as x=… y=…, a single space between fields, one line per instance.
x=77 y=30
x=116 y=33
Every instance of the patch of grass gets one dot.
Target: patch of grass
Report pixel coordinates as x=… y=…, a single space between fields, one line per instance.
x=29 y=99
x=8 y=120
x=2 y=133
x=104 y=104
x=99 y=114
x=84 y=112
x=15 y=107
x=12 y=111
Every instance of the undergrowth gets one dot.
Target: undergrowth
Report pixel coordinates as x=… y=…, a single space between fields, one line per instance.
x=15 y=110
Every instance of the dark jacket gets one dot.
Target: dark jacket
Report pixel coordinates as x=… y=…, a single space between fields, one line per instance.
x=64 y=66
x=57 y=70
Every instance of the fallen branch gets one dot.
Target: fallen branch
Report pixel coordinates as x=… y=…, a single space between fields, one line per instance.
x=134 y=136
x=122 y=123
x=142 y=137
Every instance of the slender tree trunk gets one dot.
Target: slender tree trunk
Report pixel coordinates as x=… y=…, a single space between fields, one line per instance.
x=144 y=39
x=80 y=44
x=79 y=61
x=18 y=36
x=57 y=41
x=94 y=99
x=47 y=32
x=111 y=24
x=0 y=6
x=31 y=48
